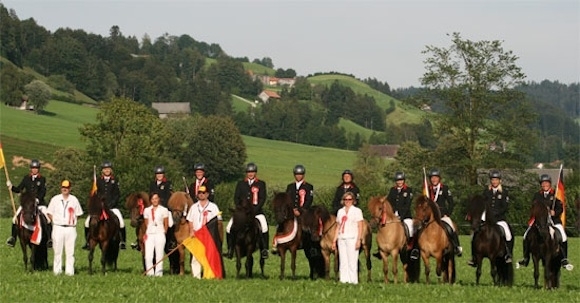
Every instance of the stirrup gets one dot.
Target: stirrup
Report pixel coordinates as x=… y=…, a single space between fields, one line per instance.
x=459 y=251
x=264 y=254
x=49 y=243
x=566 y=265
x=11 y=241
x=135 y=245
x=524 y=262
x=415 y=254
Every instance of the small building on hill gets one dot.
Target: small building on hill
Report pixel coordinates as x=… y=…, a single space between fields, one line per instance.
x=385 y=150
x=171 y=109
x=266 y=95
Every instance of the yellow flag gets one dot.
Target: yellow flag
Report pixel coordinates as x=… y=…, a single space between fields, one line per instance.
x=2 y=161
x=94 y=186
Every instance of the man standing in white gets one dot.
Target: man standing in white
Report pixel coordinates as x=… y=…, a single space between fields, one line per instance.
x=63 y=211
x=157 y=221
x=348 y=238
x=199 y=214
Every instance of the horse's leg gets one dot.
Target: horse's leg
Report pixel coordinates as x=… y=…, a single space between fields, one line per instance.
x=249 y=265
x=91 y=255
x=293 y=253
x=336 y=265
x=369 y=263
x=181 y=251
x=24 y=254
x=262 y=263
x=536 y=260
x=104 y=247
x=326 y=257
x=282 y=252
x=385 y=258
x=425 y=258
x=238 y=261
x=395 y=255
x=493 y=270
x=439 y=265
x=479 y=260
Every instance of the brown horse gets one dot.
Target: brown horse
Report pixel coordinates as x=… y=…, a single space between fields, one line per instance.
x=433 y=240
x=543 y=246
x=488 y=242
x=246 y=232
x=104 y=231
x=391 y=237
x=179 y=203
x=289 y=231
x=29 y=219
x=136 y=204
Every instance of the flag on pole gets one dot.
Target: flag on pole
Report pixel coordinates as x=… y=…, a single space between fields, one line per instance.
x=2 y=161
x=204 y=249
x=425 y=184
x=94 y=187
x=561 y=195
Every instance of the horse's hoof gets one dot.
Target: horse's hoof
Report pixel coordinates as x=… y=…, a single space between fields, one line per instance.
x=86 y=246
x=378 y=255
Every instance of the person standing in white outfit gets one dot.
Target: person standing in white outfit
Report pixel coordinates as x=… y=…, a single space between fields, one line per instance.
x=157 y=221
x=63 y=210
x=199 y=214
x=348 y=238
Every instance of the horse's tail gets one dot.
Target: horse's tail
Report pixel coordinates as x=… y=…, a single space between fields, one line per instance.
x=112 y=252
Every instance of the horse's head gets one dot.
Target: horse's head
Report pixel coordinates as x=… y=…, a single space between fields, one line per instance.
x=381 y=211
x=313 y=221
x=136 y=204
x=29 y=210
x=282 y=204
x=179 y=203
x=97 y=206
x=426 y=210
x=540 y=215
x=475 y=209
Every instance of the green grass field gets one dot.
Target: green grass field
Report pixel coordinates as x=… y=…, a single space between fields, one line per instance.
x=128 y=285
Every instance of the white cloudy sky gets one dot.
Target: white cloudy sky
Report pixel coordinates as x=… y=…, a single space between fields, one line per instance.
x=381 y=39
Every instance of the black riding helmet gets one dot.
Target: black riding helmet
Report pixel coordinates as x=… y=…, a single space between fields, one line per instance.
x=159 y=169
x=545 y=177
x=299 y=169
x=399 y=176
x=434 y=172
x=251 y=167
x=34 y=164
x=199 y=166
x=107 y=164
x=494 y=174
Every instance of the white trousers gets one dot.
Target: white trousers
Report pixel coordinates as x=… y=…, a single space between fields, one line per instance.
x=42 y=209
x=116 y=212
x=64 y=237
x=348 y=260
x=154 y=243
x=260 y=217
x=448 y=221
x=409 y=223
x=506 y=230
x=557 y=226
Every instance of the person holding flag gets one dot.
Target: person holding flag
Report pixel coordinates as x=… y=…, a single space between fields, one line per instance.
x=36 y=183
x=199 y=215
x=551 y=199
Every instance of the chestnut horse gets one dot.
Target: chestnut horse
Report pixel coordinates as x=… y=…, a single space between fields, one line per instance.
x=136 y=204
x=433 y=240
x=104 y=231
x=179 y=203
x=28 y=219
x=289 y=233
x=488 y=242
x=391 y=237
x=543 y=246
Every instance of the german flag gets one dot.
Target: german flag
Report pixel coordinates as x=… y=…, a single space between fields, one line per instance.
x=205 y=250
x=561 y=195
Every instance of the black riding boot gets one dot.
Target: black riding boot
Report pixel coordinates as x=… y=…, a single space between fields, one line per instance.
x=49 y=232
x=135 y=245
x=472 y=261
x=86 y=246
x=509 y=247
x=230 y=242
x=264 y=245
x=12 y=240
x=526 y=260
x=565 y=262
x=455 y=241
x=123 y=233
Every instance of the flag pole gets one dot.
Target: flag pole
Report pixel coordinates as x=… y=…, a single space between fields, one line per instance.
x=164 y=257
x=185 y=183
x=7 y=178
x=556 y=191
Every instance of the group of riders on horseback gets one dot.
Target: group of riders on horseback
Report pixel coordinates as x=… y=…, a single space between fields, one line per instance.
x=301 y=192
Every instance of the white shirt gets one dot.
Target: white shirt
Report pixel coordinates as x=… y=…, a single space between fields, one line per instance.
x=348 y=228
x=197 y=211
x=64 y=212
x=155 y=217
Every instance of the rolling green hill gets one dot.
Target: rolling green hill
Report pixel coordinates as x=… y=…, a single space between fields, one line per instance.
x=402 y=113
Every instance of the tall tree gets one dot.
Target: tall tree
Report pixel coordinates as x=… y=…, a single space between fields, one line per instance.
x=38 y=94
x=476 y=80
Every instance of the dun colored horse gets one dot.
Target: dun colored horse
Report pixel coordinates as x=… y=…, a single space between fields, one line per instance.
x=488 y=242
x=391 y=237
x=104 y=231
x=179 y=203
x=289 y=229
x=433 y=240
x=543 y=246
x=246 y=232
x=136 y=204
x=28 y=219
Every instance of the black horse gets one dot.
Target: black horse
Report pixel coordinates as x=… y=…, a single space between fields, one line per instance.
x=543 y=246
x=104 y=231
x=29 y=222
x=488 y=242
x=246 y=232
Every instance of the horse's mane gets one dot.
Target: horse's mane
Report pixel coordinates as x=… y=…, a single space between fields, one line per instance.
x=133 y=199
x=27 y=199
x=281 y=200
x=242 y=216
x=179 y=199
x=96 y=204
x=322 y=212
x=422 y=199
x=388 y=208
x=539 y=211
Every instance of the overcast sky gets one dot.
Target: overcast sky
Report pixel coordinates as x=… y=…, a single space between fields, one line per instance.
x=380 y=39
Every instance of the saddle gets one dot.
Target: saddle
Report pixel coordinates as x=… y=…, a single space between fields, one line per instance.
x=556 y=234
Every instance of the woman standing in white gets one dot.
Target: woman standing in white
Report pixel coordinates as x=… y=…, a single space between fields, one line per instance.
x=199 y=214
x=157 y=220
x=348 y=238
x=63 y=211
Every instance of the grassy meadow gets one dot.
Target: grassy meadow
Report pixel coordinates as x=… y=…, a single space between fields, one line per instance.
x=128 y=285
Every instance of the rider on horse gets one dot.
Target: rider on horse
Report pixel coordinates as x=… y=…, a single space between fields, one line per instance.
x=34 y=183
x=497 y=200
x=253 y=190
x=346 y=185
x=401 y=196
x=546 y=195
x=441 y=195
x=200 y=180
x=108 y=186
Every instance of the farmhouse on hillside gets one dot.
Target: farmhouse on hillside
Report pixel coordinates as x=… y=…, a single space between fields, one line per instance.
x=171 y=109
x=385 y=150
x=265 y=95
